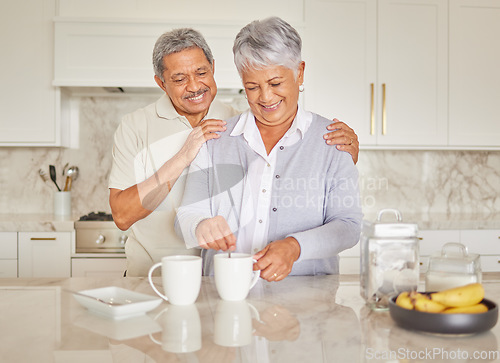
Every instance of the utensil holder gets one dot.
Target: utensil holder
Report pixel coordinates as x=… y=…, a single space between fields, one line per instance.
x=62 y=203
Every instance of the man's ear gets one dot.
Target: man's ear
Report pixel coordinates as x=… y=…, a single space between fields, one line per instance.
x=213 y=66
x=160 y=84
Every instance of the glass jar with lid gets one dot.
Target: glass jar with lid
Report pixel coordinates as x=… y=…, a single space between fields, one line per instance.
x=453 y=266
x=389 y=259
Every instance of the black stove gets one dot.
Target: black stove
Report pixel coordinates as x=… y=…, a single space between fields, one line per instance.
x=99 y=216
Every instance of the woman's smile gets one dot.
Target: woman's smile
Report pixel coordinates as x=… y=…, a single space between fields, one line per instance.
x=272 y=107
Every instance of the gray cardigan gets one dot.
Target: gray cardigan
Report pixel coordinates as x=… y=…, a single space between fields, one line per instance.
x=315 y=196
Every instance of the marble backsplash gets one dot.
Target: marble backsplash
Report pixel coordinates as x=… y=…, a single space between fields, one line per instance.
x=422 y=184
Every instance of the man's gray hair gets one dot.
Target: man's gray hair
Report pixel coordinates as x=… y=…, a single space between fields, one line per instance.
x=267 y=42
x=176 y=41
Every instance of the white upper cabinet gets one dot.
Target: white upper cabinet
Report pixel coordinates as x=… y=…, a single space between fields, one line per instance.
x=110 y=42
x=380 y=66
x=116 y=54
x=29 y=103
x=474 y=72
x=196 y=11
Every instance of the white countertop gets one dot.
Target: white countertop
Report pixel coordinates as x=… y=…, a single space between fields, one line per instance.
x=301 y=319
x=36 y=223
x=51 y=223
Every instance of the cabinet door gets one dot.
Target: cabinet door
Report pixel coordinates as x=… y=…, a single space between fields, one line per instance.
x=27 y=98
x=412 y=66
x=484 y=242
x=8 y=245
x=98 y=267
x=44 y=254
x=381 y=66
x=432 y=241
x=474 y=72
x=8 y=254
x=340 y=55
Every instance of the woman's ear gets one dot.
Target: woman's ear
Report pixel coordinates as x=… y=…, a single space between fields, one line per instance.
x=300 y=72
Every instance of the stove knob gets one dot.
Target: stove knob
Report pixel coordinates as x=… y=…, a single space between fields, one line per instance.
x=123 y=239
x=100 y=240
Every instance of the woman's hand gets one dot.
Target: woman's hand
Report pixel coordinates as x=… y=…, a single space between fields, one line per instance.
x=276 y=260
x=344 y=137
x=206 y=130
x=214 y=233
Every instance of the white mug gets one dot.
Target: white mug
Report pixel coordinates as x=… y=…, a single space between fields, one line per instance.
x=233 y=323
x=181 y=329
x=234 y=276
x=181 y=277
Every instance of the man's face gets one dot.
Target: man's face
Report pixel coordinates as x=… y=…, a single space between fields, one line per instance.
x=189 y=82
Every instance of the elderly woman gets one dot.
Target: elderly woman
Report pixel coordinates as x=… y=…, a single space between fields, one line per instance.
x=267 y=186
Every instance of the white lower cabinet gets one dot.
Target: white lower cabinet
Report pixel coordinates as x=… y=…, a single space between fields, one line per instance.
x=349 y=260
x=44 y=254
x=111 y=267
x=487 y=244
x=483 y=242
x=8 y=254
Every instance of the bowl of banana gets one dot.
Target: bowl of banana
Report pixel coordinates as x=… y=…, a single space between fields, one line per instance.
x=461 y=310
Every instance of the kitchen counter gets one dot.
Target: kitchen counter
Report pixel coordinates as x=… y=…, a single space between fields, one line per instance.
x=51 y=223
x=36 y=223
x=439 y=221
x=300 y=319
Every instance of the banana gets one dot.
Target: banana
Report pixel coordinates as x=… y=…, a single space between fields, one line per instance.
x=467 y=295
x=473 y=309
x=404 y=301
x=423 y=303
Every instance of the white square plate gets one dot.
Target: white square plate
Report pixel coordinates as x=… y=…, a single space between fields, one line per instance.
x=133 y=303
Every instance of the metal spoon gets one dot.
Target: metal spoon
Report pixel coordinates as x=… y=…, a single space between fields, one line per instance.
x=73 y=172
x=71 y=175
x=93 y=297
x=52 y=169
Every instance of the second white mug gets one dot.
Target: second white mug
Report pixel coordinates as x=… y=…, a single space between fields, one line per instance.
x=181 y=277
x=234 y=276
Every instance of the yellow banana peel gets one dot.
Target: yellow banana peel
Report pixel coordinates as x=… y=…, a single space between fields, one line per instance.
x=460 y=300
x=466 y=295
x=424 y=303
x=404 y=301
x=473 y=309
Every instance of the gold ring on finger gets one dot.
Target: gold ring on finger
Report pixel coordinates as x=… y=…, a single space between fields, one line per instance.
x=275 y=275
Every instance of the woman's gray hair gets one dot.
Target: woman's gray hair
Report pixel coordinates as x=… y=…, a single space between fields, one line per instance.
x=176 y=41
x=262 y=43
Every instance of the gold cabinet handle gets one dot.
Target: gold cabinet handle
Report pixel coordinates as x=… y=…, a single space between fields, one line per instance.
x=372 y=110
x=43 y=238
x=384 y=115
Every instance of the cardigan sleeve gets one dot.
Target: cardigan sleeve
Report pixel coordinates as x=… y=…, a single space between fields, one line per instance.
x=342 y=215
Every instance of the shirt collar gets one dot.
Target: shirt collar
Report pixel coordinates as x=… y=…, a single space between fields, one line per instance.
x=165 y=109
x=246 y=124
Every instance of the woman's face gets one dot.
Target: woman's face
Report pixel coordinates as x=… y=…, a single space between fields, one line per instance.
x=273 y=93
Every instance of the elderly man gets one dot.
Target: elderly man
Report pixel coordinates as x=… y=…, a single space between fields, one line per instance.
x=154 y=145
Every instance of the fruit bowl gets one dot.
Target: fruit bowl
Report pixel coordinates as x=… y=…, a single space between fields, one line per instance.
x=444 y=323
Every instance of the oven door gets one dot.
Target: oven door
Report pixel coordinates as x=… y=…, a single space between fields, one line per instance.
x=99 y=237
